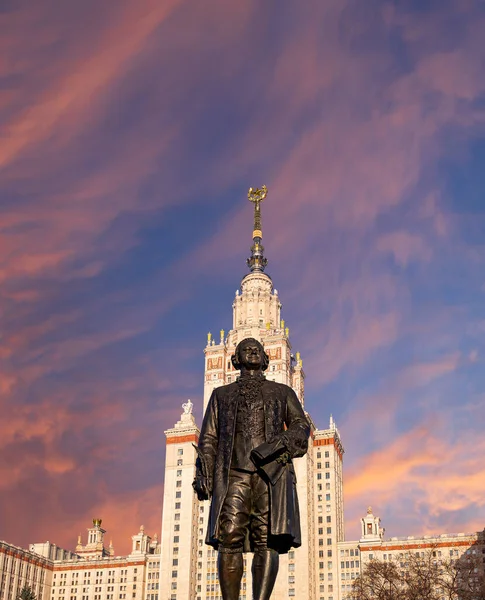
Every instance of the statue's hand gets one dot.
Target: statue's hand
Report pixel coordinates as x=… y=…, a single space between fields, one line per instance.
x=201 y=487
x=295 y=444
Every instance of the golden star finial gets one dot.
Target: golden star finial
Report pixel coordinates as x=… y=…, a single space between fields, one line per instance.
x=257 y=195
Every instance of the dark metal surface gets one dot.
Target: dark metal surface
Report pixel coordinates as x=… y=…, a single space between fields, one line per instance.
x=247 y=513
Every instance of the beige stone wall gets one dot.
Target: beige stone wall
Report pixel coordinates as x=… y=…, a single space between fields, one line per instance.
x=180 y=541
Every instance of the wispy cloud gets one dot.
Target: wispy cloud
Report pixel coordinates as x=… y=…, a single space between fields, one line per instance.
x=131 y=134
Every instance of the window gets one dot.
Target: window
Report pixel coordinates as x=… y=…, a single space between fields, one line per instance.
x=178 y=494
x=179 y=483
x=327 y=464
x=327 y=475
x=177 y=505
x=179 y=472
x=180 y=462
x=180 y=451
x=175 y=539
x=327 y=454
x=327 y=497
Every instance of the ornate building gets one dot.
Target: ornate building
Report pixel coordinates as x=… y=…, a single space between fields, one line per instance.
x=188 y=566
x=92 y=572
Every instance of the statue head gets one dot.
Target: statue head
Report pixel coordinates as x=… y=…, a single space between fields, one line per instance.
x=250 y=355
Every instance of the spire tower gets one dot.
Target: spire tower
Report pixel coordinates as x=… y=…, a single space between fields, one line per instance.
x=257 y=262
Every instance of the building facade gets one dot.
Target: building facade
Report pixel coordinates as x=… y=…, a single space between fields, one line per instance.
x=91 y=572
x=445 y=548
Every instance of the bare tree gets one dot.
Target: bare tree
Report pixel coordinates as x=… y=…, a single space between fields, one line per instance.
x=380 y=580
x=470 y=574
x=422 y=575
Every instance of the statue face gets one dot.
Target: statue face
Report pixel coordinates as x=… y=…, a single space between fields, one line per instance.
x=251 y=355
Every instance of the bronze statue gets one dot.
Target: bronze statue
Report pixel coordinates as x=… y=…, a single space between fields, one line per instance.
x=252 y=430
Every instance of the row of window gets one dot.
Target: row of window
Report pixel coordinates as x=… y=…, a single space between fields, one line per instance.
x=349 y=564
x=99 y=574
x=349 y=552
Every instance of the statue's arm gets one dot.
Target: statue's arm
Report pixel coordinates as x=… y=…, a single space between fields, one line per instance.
x=296 y=435
x=207 y=449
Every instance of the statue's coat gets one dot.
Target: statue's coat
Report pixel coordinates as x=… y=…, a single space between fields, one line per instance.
x=282 y=409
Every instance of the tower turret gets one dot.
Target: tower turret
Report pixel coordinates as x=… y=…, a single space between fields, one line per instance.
x=371 y=528
x=95 y=544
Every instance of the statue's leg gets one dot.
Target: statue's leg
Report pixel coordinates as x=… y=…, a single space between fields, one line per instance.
x=264 y=570
x=233 y=523
x=265 y=560
x=230 y=568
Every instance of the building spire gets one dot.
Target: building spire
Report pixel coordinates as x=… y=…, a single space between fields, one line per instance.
x=257 y=262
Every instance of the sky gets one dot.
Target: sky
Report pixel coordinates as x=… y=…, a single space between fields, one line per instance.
x=130 y=134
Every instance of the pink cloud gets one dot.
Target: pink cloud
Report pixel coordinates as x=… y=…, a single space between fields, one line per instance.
x=71 y=96
x=411 y=469
x=404 y=247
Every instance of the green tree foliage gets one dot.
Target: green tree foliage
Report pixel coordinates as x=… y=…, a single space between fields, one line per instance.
x=26 y=593
x=422 y=576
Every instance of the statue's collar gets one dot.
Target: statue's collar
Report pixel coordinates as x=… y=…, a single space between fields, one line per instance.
x=258 y=376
